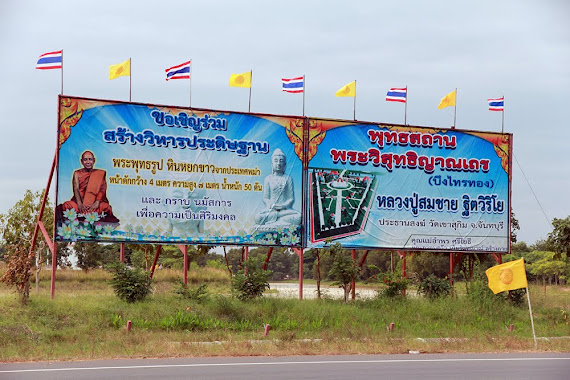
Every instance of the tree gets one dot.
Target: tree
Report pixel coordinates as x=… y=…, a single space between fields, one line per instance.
x=344 y=270
x=94 y=255
x=17 y=230
x=514 y=227
x=547 y=267
x=559 y=238
x=251 y=280
x=423 y=264
x=520 y=248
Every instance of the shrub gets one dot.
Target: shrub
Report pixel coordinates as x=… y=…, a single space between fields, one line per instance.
x=130 y=285
x=433 y=287
x=516 y=297
x=396 y=284
x=197 y=294
x=251 y=281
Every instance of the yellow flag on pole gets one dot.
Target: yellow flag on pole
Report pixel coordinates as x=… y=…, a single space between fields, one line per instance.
x=448 y=100
x=241 y=80
x=507 y=276
x=120 y=70
x=348 y=90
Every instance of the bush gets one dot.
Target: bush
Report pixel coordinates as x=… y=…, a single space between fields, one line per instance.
x=130 y=285
x=197 y=294
x=516 y=297
x=251 y=280
x=433 y=287
x=396 y=284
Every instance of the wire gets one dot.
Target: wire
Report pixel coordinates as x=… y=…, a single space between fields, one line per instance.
x=533 y=193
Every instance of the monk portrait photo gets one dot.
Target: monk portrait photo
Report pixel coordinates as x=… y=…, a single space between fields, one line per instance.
x=90 y=191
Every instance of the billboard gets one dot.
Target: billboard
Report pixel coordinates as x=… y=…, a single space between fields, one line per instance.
x=403 y=187
x=131 y=172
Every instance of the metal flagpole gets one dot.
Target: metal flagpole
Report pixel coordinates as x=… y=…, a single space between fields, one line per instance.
x=130 y=78
x=531 y=320
x=190 y=83
x=354 y=106
x=250 y=82
x=61 y=71
x=503 y=118
x=406 y=108
x=304 y=89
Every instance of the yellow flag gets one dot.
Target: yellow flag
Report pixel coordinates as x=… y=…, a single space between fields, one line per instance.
x=507 y=276
x=120 y=70
x=448 y=100
x=241 y=80
x=348 y=90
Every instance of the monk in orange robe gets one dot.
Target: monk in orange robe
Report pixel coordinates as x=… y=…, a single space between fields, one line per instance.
x=90 y=190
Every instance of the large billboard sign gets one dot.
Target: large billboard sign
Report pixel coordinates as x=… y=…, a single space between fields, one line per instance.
x=412 y=188
x=132 y=172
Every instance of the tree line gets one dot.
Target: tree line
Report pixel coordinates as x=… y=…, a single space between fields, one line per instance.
x=547 y=260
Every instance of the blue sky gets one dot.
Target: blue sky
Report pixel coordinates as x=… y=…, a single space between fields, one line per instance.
x=519 y=49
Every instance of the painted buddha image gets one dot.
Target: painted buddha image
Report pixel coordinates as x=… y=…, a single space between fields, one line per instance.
x=278 y=196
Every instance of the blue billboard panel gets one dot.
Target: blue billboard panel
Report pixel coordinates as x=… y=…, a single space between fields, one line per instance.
x=147 y=173
x=413 y=188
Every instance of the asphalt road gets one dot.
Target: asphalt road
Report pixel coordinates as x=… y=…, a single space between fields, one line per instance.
x=420 y=366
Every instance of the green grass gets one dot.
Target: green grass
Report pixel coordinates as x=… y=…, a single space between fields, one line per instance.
x=86 y=320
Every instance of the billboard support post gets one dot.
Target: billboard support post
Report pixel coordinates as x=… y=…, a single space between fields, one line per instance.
x=299 y=252
x=40 y=226
x=353 y=283
x=152 y=268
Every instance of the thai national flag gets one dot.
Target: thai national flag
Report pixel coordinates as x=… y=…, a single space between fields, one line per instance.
x=497 y=104
x=52 y=60
x=397 y=95
x=181 y=71
x=294 y=85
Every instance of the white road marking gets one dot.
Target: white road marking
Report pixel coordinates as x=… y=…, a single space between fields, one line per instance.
x=279 y=363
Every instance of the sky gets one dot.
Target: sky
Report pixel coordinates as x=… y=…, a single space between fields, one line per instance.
x=485 y=49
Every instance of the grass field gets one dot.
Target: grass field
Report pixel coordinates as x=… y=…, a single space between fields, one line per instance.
x=86 y=320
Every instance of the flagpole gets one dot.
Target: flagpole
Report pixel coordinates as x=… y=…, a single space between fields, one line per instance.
x=130 y=78
x=406 y=108
x=190 y=83
x=531 y=320
x=455 y=109
x=354 y=106
x=250 y=82
x=61 y=71
x=304 y=89
x=503 y=118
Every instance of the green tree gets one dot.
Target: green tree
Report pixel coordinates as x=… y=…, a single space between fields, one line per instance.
x=514 y=227
x=17 y=228
x=520 y=248
x=544 y=265
x=251 y=280
x=422 y=264
x=130 y=285
x=559 y=238
x=344 y=270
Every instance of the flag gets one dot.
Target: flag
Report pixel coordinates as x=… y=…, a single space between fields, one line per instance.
x=507 y=276
x=52 y=60
x=181 y=71
x=294 y=85
x=497 y=104
x=448 y=100
x=120 y=70
x=397 y=95
x=241 y=80
x=348 y=90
